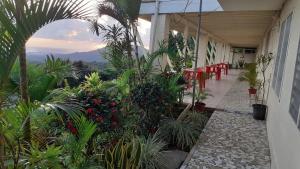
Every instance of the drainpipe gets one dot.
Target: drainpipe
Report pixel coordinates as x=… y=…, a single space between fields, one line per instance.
x=196 y=52
x=154 y=25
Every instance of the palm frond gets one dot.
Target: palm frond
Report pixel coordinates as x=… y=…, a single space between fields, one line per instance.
x=36 y=14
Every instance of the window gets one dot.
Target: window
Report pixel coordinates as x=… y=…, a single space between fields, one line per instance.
x=281 y=55
x=295 y=97
x=250 y=51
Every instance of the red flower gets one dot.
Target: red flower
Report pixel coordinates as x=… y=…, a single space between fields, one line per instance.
x=97 y=101
x=74 y=131
x=90 y=110
x=113 y=104
x=113 y=110
x=69 y=124
x=71 y=127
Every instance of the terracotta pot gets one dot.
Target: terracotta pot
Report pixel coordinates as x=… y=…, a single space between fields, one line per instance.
x=200 y=106
x=252 y=91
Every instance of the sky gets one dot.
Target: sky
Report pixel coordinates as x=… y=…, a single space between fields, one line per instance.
x=67 y=36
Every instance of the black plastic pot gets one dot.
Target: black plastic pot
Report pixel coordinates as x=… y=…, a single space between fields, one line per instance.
x=259 y=111
x=200 y=106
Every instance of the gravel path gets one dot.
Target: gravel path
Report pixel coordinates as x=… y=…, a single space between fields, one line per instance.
x=232 y=139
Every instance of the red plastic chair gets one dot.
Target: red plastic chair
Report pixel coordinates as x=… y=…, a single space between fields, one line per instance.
x=218 y=73
x=208 y=71
x=201 y=79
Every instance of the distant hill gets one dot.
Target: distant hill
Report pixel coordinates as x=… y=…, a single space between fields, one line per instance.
x=89 y=57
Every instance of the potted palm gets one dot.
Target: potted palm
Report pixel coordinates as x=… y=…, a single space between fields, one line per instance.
x=251 y=77
x=260 y=108
x=201 y=95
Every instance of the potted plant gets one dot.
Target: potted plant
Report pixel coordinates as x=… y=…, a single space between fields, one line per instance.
x=260 y=109
x=241 y=63
x=200 y=97
x=250 y=75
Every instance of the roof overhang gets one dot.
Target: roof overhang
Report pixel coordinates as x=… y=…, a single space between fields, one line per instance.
x=238 y=28
x=148 y=7
x=251 y=5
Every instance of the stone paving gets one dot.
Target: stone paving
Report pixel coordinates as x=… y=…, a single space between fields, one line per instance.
x=232 y=139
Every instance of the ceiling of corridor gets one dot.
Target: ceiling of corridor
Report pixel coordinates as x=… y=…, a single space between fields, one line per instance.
x=251 y=5
x=241 y=29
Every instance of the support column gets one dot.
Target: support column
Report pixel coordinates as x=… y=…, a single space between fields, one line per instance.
x=160 y=27
x=185 y=36
x=219 y=52
x=202 y=50
x=186 y=32
x=227 y=54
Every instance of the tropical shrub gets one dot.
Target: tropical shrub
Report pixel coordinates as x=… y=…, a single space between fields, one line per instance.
x=180 y=134
x=173 y=85
x=152 y=153
x=45 y=129
x=101 y=109
x=92 y=83
x=44 y=77
x=75 y=146
x=197 y=119
x=153 y=100
x=82 y=70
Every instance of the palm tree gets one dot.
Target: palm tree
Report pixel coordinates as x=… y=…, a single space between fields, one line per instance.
x=126 y=12
x=19 y=20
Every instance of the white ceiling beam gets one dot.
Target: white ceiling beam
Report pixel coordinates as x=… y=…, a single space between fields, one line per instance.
x=194 y=26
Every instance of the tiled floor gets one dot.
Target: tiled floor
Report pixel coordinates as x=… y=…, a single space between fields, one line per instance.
x=232 y=139
x=217 y=89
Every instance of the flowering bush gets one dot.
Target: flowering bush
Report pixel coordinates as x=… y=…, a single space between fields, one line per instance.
x=101 y=109
x=153 y=100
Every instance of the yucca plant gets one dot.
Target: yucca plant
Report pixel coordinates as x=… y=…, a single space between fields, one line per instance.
x=197 y=119
x=124 y=155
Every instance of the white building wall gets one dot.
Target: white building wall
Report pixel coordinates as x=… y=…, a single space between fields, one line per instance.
x=284 y=136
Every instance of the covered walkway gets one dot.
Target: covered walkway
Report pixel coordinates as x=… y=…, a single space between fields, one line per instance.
x=232 y=139
x=216 y=89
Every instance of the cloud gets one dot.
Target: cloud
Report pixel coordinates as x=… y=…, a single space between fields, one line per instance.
x=67 y=45
x=75 y=35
